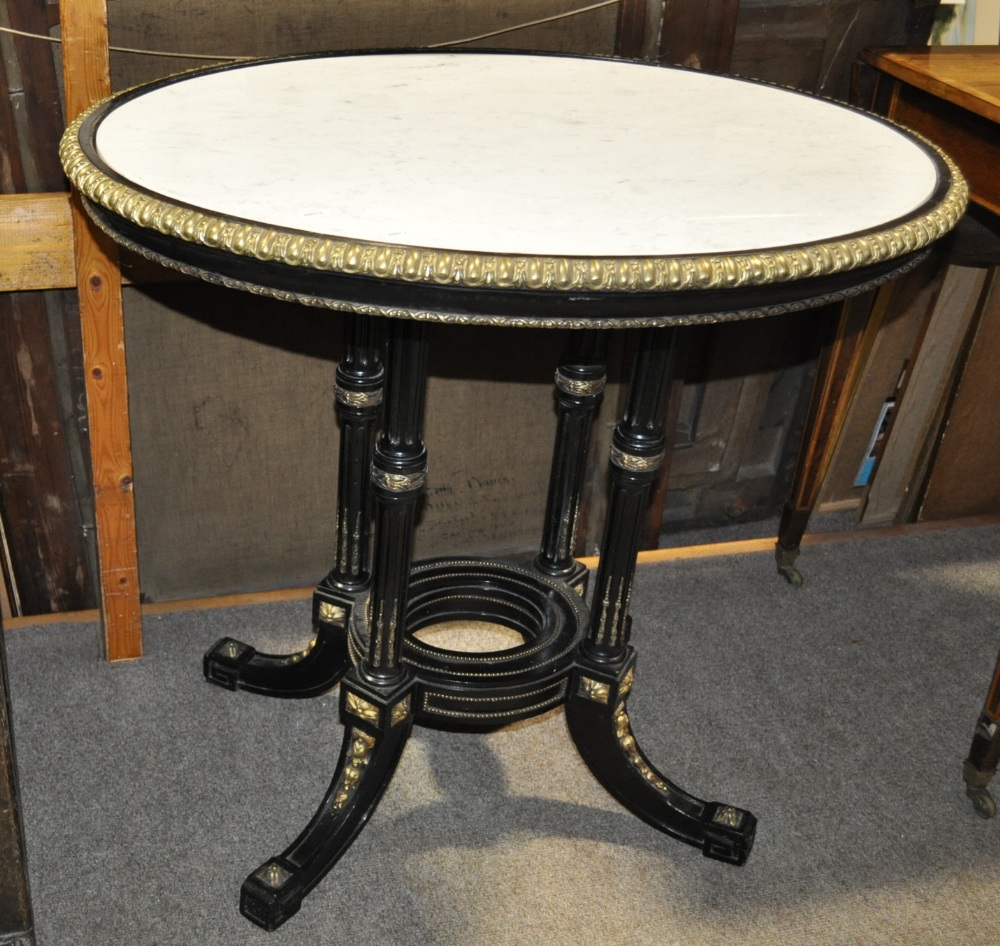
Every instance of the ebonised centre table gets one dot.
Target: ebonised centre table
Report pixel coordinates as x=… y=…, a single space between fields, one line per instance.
x=577 y=193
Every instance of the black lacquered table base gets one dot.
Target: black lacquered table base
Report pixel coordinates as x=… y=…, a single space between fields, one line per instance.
x=469 y=691
x=369 y=612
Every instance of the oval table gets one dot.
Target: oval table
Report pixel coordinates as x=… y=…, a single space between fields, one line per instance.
x=588 y=194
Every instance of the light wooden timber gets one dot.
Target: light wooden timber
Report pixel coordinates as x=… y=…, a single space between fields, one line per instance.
x=86 y=71
x=36 y=242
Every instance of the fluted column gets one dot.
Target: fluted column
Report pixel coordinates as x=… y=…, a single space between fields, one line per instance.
x=358 y=398
x=580 y=383
x=637 y=451
x=399 y=472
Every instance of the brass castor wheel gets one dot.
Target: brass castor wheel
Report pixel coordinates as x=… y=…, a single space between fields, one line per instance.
x=792 y=575
x=976 y=782
x=982 y=802
x=785 y=559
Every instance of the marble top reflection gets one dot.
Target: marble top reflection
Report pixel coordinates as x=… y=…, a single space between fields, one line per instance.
x=525 y=154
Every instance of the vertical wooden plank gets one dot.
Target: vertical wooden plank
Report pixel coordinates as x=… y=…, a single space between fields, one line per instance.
x=40 y=89
x=630 y=32
x=39 y=131
x=699 y=33
x=47 y=560
x=85 y=53
x=921 y=402
x=44 y=560
x=965 y=477
x=86 y=71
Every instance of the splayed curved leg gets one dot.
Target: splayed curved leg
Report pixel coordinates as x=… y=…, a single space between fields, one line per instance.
x=595 y=707
x=358 y=397
x=599 y=724
x=377 y=722
x=376 y=697
x=318 y=668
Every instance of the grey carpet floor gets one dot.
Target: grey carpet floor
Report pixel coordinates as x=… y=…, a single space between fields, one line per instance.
x=838 y=713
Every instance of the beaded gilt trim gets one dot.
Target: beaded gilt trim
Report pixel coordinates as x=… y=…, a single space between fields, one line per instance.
x=512 y=321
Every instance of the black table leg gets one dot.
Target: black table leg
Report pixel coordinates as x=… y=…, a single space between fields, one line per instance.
x=368 y=611
x=376 y=696
x=984 y=753
x=399 y=473
x=360 y=378
x=580 y=383
x=235 y=665
x=596 y=706
x=376 y=726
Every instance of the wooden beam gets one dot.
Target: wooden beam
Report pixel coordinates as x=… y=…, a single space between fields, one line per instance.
x=649 y=557
x=45 y=560
x=87 y=77
x=699 y=33
x=630 y=33
x=36 y=247
x=36 y=242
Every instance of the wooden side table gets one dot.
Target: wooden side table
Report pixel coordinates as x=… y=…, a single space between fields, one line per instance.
x=951 y=94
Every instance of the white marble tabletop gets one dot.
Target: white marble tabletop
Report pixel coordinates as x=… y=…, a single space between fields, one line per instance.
x=522 y=154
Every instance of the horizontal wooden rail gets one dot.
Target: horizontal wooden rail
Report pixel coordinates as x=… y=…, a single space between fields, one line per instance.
x=36 y=242
x=36 y=247
x=649 y=557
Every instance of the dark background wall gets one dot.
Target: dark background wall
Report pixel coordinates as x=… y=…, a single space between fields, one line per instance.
x=234 y=435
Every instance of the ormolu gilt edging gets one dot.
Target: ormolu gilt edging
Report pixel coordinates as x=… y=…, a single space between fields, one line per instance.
x=332 y=613
x=729 y=817
x=361 y=708
x=400 y=711
x=595 y=690
x=495 y=271
x=361 y=746
x=510 y=321
x=549 y=696
x=623 y=732
x=273 y=874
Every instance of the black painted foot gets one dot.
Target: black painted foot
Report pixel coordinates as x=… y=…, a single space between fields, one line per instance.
x=600 y=727
x=269 y=897
x=311 y=672
x=377 y=724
